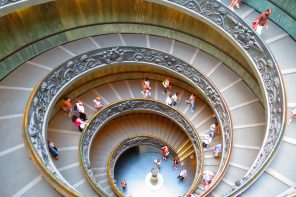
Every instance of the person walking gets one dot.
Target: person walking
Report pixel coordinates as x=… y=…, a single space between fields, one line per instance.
x=175 y=99
x=148 y=93
x=146 y=86
x=157 y=163
x=191 y=101
x=212 y=131
x=207 y=140
x=169 y=100
x=67 y=105
x=123 y=184
x=207 y=177
x=165 y=152
x=165 y=84
x=97 y=102
x=218 y=151
x=261 y=21
x=176 y=162
x=182 y=175
x=80 y=108
x=78 y=122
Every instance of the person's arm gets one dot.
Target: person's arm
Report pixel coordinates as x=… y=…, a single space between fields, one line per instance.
x=82 y=122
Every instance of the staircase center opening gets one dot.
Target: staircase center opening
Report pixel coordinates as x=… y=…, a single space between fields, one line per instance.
x=137 y=165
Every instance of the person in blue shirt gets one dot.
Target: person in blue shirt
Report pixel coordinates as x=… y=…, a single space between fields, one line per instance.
x=53 y=150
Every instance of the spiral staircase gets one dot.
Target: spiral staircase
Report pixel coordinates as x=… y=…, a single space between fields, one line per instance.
x=241 y=95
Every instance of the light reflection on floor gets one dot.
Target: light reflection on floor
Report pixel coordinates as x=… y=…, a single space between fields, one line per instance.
x=134 y=167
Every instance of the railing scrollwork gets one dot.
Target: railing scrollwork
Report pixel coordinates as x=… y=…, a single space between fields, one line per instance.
x=51 y=87
x=120 y=108
x=262 y=63
x=7 y=2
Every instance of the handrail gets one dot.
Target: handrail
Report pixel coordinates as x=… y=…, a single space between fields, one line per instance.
x=7 y=2
x=126 y=144
x=122 y=107
x=263 y=64
x=51 y=88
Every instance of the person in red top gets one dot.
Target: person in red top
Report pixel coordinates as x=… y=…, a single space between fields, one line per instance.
x=261 y=21
x=165 y=152
x=78 y=122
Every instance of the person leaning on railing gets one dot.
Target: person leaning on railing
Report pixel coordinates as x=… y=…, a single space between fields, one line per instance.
x=78 y=122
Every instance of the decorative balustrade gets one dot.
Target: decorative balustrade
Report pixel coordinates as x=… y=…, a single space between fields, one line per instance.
x=52 y=86
x=133 y=105
x=6 y=2
x=264 y=66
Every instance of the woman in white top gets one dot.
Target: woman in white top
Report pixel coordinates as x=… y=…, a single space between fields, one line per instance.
x=169 y=100
x=175 y=99
x=182 y=174
x=81 y=110
x=207 y=141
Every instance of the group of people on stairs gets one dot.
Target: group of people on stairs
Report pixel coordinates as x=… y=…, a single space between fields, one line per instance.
x=79 y=118
x=172 y=98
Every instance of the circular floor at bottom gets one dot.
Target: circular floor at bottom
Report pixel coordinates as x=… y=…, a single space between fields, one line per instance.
x=134 y=167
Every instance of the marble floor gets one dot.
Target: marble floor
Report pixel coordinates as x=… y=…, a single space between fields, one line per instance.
x=133 y=167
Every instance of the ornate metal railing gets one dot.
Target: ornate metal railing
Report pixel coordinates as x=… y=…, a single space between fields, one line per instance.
x=135 y=105
x=51 y=87
x=6 y=2
x=263 y=65
x=128 y=143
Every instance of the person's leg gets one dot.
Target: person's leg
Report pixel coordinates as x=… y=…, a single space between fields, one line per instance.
x=259 y=29
x=80 y=129
x=164 y=90
x=192 y=106
x=54 y=152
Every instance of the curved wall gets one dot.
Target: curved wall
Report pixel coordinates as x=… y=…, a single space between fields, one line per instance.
x=31 y=25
